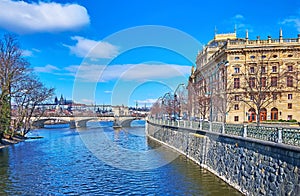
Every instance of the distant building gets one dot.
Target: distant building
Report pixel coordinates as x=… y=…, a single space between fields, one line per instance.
x=62 y=101
x=230 y=69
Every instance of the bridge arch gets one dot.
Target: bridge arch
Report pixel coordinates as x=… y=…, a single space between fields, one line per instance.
x=127 y=122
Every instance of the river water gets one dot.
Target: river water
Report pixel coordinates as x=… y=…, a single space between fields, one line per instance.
x=63 y=163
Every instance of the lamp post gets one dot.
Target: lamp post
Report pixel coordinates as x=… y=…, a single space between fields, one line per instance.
x=225 y=63
x=163 y=99
x=175 y=98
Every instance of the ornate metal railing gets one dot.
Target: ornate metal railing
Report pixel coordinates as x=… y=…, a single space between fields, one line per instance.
x=290 y=136
x=263 y=133
x=234 y=129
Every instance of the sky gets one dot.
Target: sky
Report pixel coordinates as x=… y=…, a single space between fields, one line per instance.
x=131 y=51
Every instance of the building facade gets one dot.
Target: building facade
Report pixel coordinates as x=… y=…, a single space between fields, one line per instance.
x=239 y=80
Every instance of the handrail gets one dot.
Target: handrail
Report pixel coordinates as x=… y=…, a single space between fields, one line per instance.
x=289 y=136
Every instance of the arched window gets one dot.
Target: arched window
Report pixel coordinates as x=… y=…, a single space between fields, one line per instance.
x=274 y=114
x=263 y=114
x=252 y=115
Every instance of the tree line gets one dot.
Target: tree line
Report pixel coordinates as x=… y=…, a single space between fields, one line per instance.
x=20 y=89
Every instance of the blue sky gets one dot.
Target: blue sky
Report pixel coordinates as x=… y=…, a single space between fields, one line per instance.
x=123 y=51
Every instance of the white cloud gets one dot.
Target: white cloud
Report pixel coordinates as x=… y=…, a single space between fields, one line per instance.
x=30 y=53
x=27 y=53
x=292 y=20
x=92 y=49
x=139 y=72
x=24 y=17
x=238 y=21
x=108 y=92
x=239 y=16
x=46 y=69
x=147 y=101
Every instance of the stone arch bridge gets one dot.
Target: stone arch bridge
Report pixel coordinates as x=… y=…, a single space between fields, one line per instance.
x=77 y=122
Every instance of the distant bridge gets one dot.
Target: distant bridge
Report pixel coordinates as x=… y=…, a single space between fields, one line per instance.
x=77 y=122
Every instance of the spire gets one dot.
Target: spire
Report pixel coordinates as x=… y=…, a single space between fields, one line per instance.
x=280 y=36
x=247 y=36
x=235 y=28
x=216 y=30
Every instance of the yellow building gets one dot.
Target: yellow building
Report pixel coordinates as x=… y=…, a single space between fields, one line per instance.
x=240 y=80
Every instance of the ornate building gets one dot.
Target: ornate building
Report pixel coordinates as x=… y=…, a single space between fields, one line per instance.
x=240 y=80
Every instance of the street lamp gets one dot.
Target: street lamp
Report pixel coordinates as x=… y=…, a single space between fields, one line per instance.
x=225 y=63
x=175 y=99
x=163 y=99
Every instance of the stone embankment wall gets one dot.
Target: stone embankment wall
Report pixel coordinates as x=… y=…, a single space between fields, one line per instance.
x=254 y=167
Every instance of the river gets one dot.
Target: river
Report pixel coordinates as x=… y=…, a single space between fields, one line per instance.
x=64 y=163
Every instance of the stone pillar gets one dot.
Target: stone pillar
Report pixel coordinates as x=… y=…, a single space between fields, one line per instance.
x=279 y=135
x=72 y=124
x=269 y=39
x=245 y=131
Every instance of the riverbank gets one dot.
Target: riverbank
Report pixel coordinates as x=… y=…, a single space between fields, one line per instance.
x=13 y=140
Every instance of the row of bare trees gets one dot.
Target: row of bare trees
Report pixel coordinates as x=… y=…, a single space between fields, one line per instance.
x=20 y=90
x=258 y=82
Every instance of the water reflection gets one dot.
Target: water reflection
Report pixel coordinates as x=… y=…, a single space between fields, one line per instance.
x=60 y=164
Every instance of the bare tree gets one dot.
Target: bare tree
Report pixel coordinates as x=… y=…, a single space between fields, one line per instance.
x=262 y=80
x=19 y=86
x=33 y=93
x=13 y=67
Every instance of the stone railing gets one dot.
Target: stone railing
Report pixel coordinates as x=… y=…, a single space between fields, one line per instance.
x=290 y=136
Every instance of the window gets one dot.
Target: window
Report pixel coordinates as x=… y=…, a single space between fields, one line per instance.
x=251 y=97
x=236 y=58
x=290 y=68
x=252 y=82
x=273 y=81
x=263 y=96
x=263 y=69
x=236 y=82
x=289 y=81
x=236 y=70
x=263 y=81
x=274 y=96
x=251 y=69
x=275 y=56
x=290 y=96
x=236 y=106
x=236 y=118
x=236 y=98
x=290 y=106
x=290 y=117
x=252 y=57
x=263 y=56
x=274 y=69
x=290 y=55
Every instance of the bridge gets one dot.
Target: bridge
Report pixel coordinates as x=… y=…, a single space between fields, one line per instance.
x=77 y=122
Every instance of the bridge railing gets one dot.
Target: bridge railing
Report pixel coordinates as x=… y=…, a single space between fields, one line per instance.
x=290 y=136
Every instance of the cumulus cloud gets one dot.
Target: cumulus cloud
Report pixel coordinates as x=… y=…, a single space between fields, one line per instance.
x=46 y=69
x=24 y=17
x=92 y=48
x=136 y=72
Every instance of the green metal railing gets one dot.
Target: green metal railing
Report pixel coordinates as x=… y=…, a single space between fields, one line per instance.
x=290 y=136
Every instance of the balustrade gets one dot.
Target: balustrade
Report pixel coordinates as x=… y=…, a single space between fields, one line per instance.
x=290 y=136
